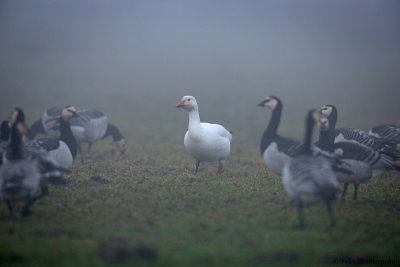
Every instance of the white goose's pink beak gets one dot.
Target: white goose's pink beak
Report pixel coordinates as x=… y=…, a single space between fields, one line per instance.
x=180 y=104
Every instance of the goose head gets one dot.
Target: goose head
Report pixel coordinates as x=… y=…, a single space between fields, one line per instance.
x=327 y=110
x=17 y=116
x=68 y=113
x=188 y=103
x=270 y=102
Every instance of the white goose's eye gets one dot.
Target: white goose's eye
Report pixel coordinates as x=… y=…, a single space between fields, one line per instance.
x=189 y=99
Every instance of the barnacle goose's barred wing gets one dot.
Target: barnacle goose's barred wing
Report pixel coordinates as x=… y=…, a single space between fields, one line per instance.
x=389 y=131
x=376 y=143
x=43 y=144
x=353 y=150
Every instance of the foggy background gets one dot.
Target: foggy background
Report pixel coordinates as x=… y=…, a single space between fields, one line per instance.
x=134 y=60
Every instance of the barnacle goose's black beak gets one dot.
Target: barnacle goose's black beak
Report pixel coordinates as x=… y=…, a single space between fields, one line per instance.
x=74 y=114
x=262 y=103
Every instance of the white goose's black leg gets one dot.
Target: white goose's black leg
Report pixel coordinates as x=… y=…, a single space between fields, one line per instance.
x=89 y=147
x=221 y=165
x=197 y=166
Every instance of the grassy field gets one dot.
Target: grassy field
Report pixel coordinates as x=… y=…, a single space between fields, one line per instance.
x=149 y=209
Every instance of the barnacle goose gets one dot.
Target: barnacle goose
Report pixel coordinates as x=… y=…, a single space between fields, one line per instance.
x=353 y=156
x=307 y=177
x=362 y=161
x=275 y=149
x=351 y=134
x=89 y=126
x=205 y=141
x=64 y=149
x=19 y=176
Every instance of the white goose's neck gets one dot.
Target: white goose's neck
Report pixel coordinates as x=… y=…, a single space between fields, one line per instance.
x=194 y=121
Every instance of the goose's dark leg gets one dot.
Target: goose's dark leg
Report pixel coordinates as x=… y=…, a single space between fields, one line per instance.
x=330 y=212
x=301 y=216
x=10 y=208
x=197 y=166
x=28 y=202
x=355 y=191
x=344 y=192
x=220 y=167
x=89 y=147
x=44 y=188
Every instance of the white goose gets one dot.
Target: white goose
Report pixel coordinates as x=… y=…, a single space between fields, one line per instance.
x=205 y=141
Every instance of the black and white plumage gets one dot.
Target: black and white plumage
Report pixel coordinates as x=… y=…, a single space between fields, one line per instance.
x=388 y=132
x=308 y=178
x=89 y=127
x=275 y=149
x=19 y=176
x=360 y=160
x=352 y=134
x=62 y=150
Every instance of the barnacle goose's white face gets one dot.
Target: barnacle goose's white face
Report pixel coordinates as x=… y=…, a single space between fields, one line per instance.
x=323 y=124
x=13 y=116
x=68 y=113
x=325 y=110
x=269 y=102
x=188 y=103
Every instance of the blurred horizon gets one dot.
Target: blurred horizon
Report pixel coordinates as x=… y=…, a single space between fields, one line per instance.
x=134 y=60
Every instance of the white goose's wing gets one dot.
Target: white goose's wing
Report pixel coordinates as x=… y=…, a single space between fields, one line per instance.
x=218 y=129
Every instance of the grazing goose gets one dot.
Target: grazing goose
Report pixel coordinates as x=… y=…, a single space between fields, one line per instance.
x=62 y=150
x=89 y=126
x=307 y=177
x=205 y=141
x=19 y=177
x=275 y=149
x=351 y=134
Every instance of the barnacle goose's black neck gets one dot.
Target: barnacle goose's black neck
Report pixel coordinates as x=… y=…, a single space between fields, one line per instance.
x=271 y=130
x=5 y=131
x=327 y=138
x=306 y=149
x=15 y=150
x=20 y=116
x=114 y=132
x=68 y=137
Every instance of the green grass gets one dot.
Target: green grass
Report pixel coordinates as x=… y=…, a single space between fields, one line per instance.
x=149 y=209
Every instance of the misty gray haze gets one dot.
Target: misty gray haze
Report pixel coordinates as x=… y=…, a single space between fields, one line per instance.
x=135 y=59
